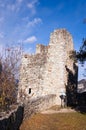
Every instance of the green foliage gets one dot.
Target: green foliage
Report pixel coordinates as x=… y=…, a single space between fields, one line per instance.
x=81 y=55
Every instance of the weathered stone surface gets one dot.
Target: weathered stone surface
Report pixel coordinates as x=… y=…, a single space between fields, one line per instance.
x=38 y=104
x=50 y=70
x=13 y=119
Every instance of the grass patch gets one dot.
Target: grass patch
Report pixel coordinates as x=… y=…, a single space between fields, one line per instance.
x=60 y=121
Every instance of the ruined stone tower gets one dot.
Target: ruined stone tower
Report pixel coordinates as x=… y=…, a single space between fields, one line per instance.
x=50 y=71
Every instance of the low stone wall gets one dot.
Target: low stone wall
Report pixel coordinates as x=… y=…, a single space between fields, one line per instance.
x=12 y=120
x=38 y=104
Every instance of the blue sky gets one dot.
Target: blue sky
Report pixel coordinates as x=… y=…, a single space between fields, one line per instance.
x=31 y=21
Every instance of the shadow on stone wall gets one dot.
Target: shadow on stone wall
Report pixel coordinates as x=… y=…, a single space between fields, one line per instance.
x=71 y=88
x=74 y=99
x=13 y=120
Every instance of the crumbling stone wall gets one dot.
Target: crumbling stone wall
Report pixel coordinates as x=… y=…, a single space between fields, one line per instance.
x=39 y=104
x=12 y=119
x=48 y=71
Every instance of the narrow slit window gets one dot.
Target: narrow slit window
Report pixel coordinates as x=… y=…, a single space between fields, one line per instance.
x=29 y=90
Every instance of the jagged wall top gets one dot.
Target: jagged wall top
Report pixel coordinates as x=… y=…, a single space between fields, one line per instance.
x=60 y=36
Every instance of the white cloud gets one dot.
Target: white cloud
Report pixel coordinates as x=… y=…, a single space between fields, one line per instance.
x=29 y=50
x=31 y=39
x=34 y=22
x=32 y=4
x=16 y=6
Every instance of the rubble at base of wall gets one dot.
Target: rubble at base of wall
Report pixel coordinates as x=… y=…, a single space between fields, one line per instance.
x=13 y=119
x=38 y=104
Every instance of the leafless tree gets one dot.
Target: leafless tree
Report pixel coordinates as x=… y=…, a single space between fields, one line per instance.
x=10 y=60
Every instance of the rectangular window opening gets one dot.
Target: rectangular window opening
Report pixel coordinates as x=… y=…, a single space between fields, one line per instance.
x=29 y=90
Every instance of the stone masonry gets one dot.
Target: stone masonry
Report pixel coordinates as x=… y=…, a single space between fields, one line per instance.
x=49 y=71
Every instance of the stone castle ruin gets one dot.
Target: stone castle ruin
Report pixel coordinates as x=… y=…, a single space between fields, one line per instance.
x=50 y=72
